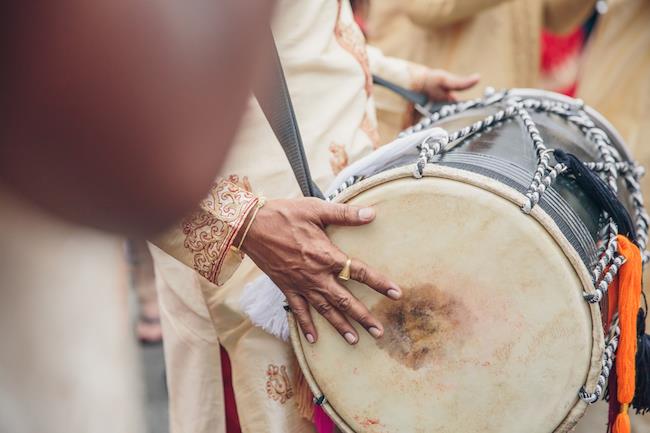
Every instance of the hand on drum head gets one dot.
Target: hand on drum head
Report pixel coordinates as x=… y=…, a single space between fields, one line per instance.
x=288 y=242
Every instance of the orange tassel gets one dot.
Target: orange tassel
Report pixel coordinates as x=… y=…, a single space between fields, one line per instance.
x=629 y=299
x=622 y=423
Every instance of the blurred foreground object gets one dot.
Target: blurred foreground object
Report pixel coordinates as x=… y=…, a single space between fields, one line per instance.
x=117 y=114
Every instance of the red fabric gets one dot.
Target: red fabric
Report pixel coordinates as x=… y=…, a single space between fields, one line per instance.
x=322 y=422
x=557 y=49
x=569 y=91
x=558 y=52
x=232 y=418
x=362 y=24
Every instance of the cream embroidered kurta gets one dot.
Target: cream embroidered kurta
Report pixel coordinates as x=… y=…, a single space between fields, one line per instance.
x=328 y=74
x=496 y=38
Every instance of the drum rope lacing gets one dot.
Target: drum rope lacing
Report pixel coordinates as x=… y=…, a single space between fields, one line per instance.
x=609 y=168
x=611 y=344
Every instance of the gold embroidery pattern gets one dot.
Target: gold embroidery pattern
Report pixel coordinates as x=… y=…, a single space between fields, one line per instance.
x=278 y=385
x=369 y=127
x=209 y=232
x=338 y=157
x=350 y=37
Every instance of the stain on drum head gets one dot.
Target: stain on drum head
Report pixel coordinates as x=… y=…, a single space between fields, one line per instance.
x=425 y=325
x=492 y=333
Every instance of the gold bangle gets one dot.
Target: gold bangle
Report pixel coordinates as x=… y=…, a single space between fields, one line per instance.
x=260 y=202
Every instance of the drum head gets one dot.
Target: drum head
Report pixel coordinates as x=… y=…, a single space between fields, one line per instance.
x=492 y=333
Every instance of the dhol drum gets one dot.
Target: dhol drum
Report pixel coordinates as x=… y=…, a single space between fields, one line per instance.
x=503 y=257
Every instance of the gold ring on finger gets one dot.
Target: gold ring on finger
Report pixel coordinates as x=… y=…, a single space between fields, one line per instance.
x=345 y=272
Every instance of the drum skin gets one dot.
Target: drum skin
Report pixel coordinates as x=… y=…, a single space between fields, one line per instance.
x=492 y=334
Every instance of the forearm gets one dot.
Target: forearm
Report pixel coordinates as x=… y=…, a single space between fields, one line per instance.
x=399 y=71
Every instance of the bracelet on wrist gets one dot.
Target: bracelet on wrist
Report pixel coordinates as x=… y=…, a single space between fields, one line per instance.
x=260 y=203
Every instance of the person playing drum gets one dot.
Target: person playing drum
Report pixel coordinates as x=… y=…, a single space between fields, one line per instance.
x=328 y=72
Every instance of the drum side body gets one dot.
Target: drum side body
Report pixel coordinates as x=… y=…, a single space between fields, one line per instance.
x=510 y=142
x=492 y=333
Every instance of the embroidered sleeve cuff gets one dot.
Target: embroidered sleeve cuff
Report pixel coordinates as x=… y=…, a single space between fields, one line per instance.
x=204 y=239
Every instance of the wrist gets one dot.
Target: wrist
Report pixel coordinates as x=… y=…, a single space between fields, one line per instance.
x=418 y=75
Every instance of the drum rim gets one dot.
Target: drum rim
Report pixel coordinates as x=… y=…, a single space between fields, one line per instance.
x=512 y=195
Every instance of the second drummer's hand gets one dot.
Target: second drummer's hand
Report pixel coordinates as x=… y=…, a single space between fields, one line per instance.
x=287 y=241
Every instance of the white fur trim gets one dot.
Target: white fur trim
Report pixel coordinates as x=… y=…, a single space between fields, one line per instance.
x=263 y=303
x=394 y=153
